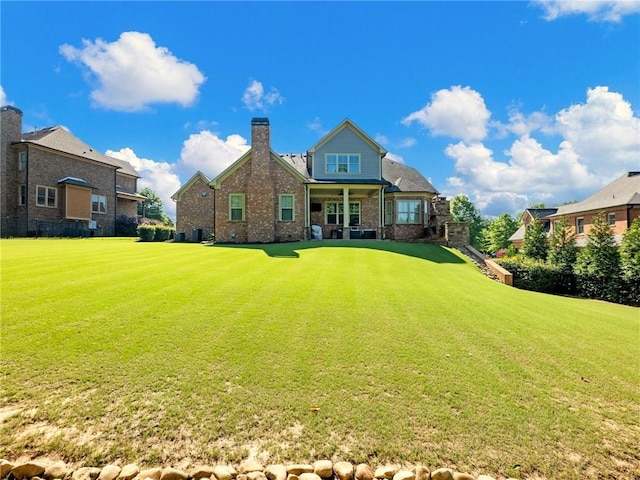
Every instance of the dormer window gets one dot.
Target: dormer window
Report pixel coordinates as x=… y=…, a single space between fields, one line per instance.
x=342 y=163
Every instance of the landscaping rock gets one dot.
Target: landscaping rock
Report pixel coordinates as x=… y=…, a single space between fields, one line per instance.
x=299 y=468
x=486 y=477
x=463 y=476
x=241 y=476
x=87 y=473
x=387 y=471
x=152 y=473
x=170 y=473
x=421 y=473
x=323 y=468
x=224 y=472
x=363 y=472
x=276 y=472
x=343 y=470
x=404 y=475
x=442 y=474
x=109 y=472
x=27 y=470
x=202 y=471
x=129 y=471
x=5 y=467
x=309 y=476
x=250 y=466
x=257 y=475
x=55 y=471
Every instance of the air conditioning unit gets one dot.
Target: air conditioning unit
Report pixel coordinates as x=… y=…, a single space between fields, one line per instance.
x=93 y=224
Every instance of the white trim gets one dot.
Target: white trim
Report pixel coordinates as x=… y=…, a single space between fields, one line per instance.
x=293 y=207
x=98 y=197
x=337 y=155
x=244 y=206
x=46 y=197
x=409 y=212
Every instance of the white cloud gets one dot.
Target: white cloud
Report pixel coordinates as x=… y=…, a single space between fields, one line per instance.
x=210 y=154
x=600 y=139
x=456 y=112
x=595 y=10
x=316 y=126
x=159 y=176
x=3 y=97
x=406 y=142
x=133 y=72
x=394 y=157
x=255 y=97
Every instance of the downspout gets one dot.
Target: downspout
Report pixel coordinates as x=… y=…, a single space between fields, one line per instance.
x=214 y=213
x=307 y=207
x=115 y=201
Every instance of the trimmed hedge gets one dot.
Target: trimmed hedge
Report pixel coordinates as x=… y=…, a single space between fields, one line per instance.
x=146 y=232
x=539 y=276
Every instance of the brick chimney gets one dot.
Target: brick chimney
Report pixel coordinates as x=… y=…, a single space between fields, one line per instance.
x=11 y=131
x=261 y=196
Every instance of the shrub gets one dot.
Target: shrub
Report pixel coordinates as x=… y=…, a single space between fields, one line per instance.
x=126 y=226
x=162 y=233
x=537 y=275
x=146 y=232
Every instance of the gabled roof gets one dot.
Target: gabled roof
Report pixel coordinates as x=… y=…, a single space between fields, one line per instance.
x=346 y=123
x=198 y=175
x=215 y=183
x=625 y=190
x=538 y=213
x=79 y=182
x=57 y=138
x=297 y=161
x=404 y=178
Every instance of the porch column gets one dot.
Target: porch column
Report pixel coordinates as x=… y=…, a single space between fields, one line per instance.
x=346 y=234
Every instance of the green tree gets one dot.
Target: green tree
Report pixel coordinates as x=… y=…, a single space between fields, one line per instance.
x=152 y=207
x=600 y=256
x=496 y=234
x=535 y=243
x=464 y=210
x=562 y=246
x=630 y=251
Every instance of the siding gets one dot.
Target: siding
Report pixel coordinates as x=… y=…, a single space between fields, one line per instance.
x=348 y=141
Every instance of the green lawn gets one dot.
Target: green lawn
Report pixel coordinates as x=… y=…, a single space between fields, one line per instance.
x=118 y=351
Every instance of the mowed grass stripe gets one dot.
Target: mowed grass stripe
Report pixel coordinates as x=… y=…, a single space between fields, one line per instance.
x=167 y=351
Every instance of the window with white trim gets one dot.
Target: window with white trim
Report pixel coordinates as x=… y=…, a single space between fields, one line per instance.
x=286 y=202
x=388 y=212
x=338 y=163
x=98 y=204
x=334 y=213
x=408 y=211
x=580 y=225
x=22 y=161
x=611 y=218
x=46 y=196
x=236 y=207
x=22 y=195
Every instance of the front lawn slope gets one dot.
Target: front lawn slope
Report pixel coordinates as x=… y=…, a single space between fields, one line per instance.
x=119 y=351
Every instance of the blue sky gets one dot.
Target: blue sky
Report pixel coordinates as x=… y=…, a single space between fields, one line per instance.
x=510 y=103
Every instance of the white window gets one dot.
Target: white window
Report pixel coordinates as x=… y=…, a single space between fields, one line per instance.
x=22 y=195
x=388 y=212
x=580 y=225
x=98 y=204
x=611 y=218
x=408 y=211
x=342 y=163
x=286 y=208
x=22 y=161
x=334 y=213
x=236 y=207
x=46 y=196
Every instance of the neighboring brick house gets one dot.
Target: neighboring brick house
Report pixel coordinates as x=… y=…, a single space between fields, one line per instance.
x=528 y=217
x=54 y=184
x=342 y=187
x=619 y=201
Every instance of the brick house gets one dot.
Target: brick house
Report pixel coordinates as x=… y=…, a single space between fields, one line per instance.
x=342 y=187
x=619 y=201
x=52 y=183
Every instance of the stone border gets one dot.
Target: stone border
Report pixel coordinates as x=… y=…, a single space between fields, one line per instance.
x=248 y=470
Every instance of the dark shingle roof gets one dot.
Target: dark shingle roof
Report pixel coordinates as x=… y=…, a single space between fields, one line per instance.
x=57 y=138
x=625 y=190
x=404 y=178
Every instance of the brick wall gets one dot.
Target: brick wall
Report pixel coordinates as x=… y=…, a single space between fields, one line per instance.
x=194 y=209
x=457 y=233
x=10 y=131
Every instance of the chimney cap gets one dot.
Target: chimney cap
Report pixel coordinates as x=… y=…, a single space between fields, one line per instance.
x=7 y=108
x=260 y=121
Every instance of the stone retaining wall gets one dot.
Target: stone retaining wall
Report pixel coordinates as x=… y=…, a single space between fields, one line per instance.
x=248 y=470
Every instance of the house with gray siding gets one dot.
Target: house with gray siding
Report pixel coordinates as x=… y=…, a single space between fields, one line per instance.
x=54 y=184
x=343 y=187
